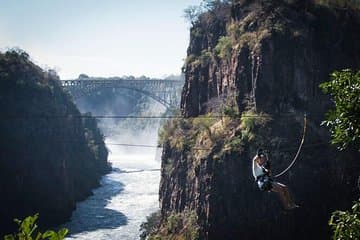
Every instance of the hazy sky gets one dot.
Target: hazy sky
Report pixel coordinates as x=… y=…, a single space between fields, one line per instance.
x=99 y=38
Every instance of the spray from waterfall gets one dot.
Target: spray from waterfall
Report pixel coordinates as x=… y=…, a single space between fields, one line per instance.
x=129 y=131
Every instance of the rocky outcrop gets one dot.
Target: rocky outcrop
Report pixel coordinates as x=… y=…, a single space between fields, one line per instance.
x=50 y=158
x=265 y=58
x=275 y=47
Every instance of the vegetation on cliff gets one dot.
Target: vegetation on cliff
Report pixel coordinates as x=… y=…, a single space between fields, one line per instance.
x=177 y=226
x=50 y=155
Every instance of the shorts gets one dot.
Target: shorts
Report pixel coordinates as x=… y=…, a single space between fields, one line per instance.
x=264 y=183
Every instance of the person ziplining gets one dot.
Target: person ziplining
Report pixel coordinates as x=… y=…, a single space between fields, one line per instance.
x=261 y=170
x=262 y=173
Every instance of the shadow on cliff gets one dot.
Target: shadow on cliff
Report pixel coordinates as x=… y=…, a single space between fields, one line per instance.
x=93 y=214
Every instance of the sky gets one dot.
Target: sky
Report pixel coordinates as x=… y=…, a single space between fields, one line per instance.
x=99 y=38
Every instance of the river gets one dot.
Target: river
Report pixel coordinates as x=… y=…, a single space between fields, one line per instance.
x=126 y=196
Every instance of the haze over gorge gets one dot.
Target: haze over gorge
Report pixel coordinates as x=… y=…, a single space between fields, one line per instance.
x=134 y=137
x=130 y=192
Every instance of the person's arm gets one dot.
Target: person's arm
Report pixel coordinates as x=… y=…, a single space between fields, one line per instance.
x=253 y=166
x=262 y=165
x=267 y=166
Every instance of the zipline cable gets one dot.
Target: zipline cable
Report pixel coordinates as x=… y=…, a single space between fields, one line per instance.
x=290 y=114
x=317 y=144
x=297 y=153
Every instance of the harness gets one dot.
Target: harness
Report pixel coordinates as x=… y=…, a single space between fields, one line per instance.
x=264 y=182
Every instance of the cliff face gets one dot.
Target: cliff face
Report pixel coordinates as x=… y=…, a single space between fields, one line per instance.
x=260 y=66
x=49 y=157
x=280 y=53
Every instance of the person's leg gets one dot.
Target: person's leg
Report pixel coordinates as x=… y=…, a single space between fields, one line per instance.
x=284 y=194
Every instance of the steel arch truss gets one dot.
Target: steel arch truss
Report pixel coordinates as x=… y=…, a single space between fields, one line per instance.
x=166 y=92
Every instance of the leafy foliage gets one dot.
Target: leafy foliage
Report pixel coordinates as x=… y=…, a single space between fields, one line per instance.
x=28 y=231
x=224 y=47
x=182 y=133
x=192 y=14
x=344 y=120
x=346 y=224
x=178 y=226
x=174 y=223
x=175 y=132
x=150 y=225
x=214 y=5
x=250 y=120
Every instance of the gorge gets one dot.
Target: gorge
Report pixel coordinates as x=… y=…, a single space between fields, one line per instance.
x=54 y=153
x=110 y=157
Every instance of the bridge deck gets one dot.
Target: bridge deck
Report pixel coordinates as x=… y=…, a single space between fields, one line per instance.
x=120 y=82
x=167 y=92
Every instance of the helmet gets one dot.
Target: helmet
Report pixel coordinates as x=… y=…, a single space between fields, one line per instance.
x=260 y=152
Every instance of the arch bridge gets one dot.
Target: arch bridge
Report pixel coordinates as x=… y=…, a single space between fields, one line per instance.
x=167 y=92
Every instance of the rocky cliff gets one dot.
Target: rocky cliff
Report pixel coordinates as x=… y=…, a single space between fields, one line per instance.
x=253 y=70
x=50 y=158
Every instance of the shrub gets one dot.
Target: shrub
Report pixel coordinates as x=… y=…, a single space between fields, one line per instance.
x=28 y=231
x=224 y=48
x=183 y=225
x=279 y=27
x=235 y=31
x=235 y=143
x=205 y=57
x=344 y=120
x=192 y=60
x=150 y=225
x=192 y=13
x=346 y=224
x=189 y=59
x=204 y=123
x=174 y=222
x=182 y=133
x=196 y=32
x=176 y=133
x=251 y=120
x=231 y=111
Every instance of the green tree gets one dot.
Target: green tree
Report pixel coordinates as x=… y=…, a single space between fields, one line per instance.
x=344 y=124
x=192 y=13
x=28 y=231
x=346 y=224
x=214 y=5
x=344 y=119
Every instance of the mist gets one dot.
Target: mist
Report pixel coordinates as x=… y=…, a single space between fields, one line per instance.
x=121 y=134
